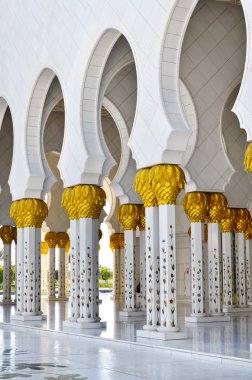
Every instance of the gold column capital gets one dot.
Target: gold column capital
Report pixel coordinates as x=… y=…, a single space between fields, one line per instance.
x=29 y=212
x=44 y=248
x=83 y=201
x=196 y=206
x=142 y=219
x=217 y=207
x=143 y=188
x=7 y=234
x=166 y=182
x=229 y=220
x=99 y=234
x=62 y=239
x=114 y=241
x=248 y=158
x=242 y=220
x=129 y=215
x=51 y=239
x=121 y=240
x=248 y=234
x=67 y=248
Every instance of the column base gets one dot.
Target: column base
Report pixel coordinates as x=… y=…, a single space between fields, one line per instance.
x=150 y=327
x=28 y=317
x=207 y=319
x=84 y=324
x=161 y=335
x=132 y=313
x=236 y=309
x=8 y=302
x=167 y=329
x=52 y=298
x=61 y=299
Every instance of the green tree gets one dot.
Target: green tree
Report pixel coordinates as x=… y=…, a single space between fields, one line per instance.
x=105 y=273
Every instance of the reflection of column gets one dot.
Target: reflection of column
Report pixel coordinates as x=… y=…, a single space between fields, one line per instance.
x=62 y=240
x=217 y=207
x=44 y=268
x=83 y=204
x=7 y=235
x=129 y=217
x=142 y=186
x=28 y=215
x=196 y=207
x=248 y=237
x=51 y=239
x=142 y=260
x=115 y=246
x=121 y=245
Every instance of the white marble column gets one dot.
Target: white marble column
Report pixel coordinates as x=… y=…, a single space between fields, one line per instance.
x=242 y=223
x=129 y=216
x=51 y=239
x=67 y=268
x=121 y=245
x=20 y=271
x=152 y=268
x=7 y=234
x=31 y=269
x=227 y=257
x=214 y=269
x=84 y=204
x=129 y=274
x=249 y=267
x=115 y=246
x=62 y=241
x=89 y=289
x=44 y=268
x=7 y=275
x=74 y=297
x=196 y=206
x=167 y=244
x=51 y=271
x=240 y=269
x=217 y=211
x=142 y=269
x=197 y=269
x=29 y=215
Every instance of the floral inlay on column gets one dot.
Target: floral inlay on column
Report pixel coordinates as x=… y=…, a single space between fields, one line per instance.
x=196 y=206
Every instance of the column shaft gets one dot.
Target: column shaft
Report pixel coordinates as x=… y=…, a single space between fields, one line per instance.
x=62 y=276
x=152 y=268
x=122 y=284
x=129 y=277
x=249 y=269
x=89 y=287
x=214 y=268
x=74 y=299
x=116 y=273
x=7 y=274
x=167 y=242
x=31 y=270
x=142 y=270
x=227 y=257
x=197 y=269
x=51 y=271
x=240 y=269
x=20 y=271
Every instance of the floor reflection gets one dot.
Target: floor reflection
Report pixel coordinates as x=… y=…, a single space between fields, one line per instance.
x=229 y=338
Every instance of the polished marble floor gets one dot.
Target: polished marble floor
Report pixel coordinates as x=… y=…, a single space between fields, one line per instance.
x=229 y=339
x=38 y=355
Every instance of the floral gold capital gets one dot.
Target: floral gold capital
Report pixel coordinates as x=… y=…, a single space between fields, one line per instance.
x=29 y=212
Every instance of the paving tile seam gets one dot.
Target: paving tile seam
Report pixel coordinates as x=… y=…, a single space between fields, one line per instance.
x=242 y=362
